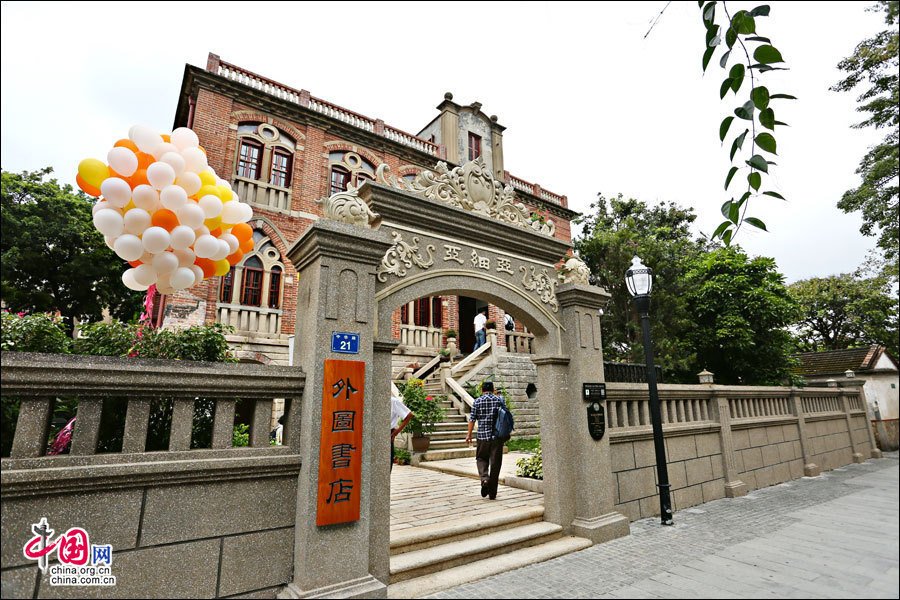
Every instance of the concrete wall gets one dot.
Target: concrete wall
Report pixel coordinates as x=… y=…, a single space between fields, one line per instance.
x=768 y=454
x=883 y=388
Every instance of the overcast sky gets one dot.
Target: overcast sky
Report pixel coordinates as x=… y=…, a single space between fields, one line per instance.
x=589 y=104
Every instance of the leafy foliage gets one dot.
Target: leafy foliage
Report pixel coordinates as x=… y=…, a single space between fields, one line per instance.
x=843 y=311
x=200 y=342
x=401 y=456
x=240 y=435
x=877 y=61
x=106 y=339
x=53 y=259
x=426 y=410
x=531 y=466
x=34 y=333
x=754 y=114
x=614 y=231
x=740 y=309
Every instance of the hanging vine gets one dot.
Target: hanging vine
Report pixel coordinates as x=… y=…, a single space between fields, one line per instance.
x=756 y=114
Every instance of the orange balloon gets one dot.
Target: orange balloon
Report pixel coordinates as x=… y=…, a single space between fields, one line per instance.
x=167 y=138
x=164 y=218
x=216 y=232
x=139 y=178
x=144 y=160
x=208 y=266
x=86 y=187
x=242 y=232
x=235 y=258
x=135 y=263
x=247 y=246
x=126 y=143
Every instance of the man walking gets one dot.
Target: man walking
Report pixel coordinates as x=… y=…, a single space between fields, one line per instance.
x=480 y=332
x=489 y=450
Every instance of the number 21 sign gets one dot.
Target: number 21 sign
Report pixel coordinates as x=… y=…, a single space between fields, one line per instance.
x=344 y=342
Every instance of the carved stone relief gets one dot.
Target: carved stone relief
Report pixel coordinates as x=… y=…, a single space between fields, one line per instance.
x=348 y=207
x=575 y=271
x=402 y=256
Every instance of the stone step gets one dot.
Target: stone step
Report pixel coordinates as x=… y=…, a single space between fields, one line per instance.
x=427 y=536
x=444 y=444
x=457 y=418
x=417 y=563
x=448 y=454
x=456 y=434
x=420 y=587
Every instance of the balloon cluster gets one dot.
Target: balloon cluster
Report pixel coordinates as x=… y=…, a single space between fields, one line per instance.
x=165 y=211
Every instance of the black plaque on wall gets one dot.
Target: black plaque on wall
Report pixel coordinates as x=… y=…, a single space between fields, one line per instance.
x=593 y=391
x=596 y=420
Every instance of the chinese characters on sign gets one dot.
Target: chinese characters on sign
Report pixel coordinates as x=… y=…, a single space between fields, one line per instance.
x=340 y=457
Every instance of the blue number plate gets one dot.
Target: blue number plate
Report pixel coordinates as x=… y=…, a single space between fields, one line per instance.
x=344 y=342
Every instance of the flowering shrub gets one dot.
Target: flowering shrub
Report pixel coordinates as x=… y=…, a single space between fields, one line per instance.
x=34 y=333
x=426 y=410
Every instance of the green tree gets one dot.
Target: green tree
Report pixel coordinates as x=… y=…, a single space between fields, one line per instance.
x=53 y=259
x=843 y=311
x=877 y=61
x=740 y=309
x=614 y=231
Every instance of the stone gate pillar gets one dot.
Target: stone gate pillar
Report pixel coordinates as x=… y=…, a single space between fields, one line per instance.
x=335 y=265
x=579 y=492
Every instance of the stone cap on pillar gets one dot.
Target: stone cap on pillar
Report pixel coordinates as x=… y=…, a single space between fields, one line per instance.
x=339 y=240
x=577 y=294
x=705 y=377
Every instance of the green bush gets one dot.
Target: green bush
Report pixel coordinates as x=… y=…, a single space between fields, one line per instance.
x=34 y=333
x=531 y=466
x=106 y=339
x=524 y=445
x=426 y=410
x=240 y=435
x=200 y=342
x=401 y=456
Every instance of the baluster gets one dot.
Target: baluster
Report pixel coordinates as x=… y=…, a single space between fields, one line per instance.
x=137 y=417
x=690 y=405
x=262 y=419
x=223 y=423
x=31 y=428
x=680 y=408
x=182 y=424
x=613 y=413
x=645 y=413
x=87 y=426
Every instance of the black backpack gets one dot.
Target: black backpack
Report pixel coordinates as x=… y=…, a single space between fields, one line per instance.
x=510 y=324
x=503 y=423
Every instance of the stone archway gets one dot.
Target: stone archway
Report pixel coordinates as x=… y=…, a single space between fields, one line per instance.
x=450 y=232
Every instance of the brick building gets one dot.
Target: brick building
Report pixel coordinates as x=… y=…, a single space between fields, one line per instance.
x=283 y=150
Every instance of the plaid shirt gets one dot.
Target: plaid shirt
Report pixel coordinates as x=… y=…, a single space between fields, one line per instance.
x=484 y=411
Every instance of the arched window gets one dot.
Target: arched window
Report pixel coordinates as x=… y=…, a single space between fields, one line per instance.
x=251 y=284
x=265 y=154
x=348 y=168
x=275 y=287
x=227 y=287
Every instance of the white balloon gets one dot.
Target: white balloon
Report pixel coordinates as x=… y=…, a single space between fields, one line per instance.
x=190 y=182
x=109 y=222
x=246 y=212
x=130 y=283
x=174 y=160
x=145 y=274
x=182 y=237
x=206 y=246
x=146 y=258
x=198 y=273
x=110 y=242
x=220 y=181
x=182 y=278
x=156 y=239
x=232 y=241
x=100 y=205
x=222 y=252
x=116 y=191
x=129 y=247
x=194 y=159
x=186 y=257
x=137 y=220
x=123 y=161
x=145 y=197
x=162 y=149
x=231 y=212
x=165 y=262
x=191 y=215
x=211 y=205
x=160 y=174
x=185 y=138
x=173 y=197
x=146 y=138
x=202 y=230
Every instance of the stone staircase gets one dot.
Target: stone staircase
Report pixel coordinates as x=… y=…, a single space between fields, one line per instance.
x=431 y=558
x=449 y=439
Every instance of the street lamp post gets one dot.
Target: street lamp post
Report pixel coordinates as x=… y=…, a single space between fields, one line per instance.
x=639 y=280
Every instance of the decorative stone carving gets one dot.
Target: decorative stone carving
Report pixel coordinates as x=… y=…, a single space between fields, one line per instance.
x=542 y=284
x=575 y=271
x=402 y=256
x=469 y=187
x=348 y=207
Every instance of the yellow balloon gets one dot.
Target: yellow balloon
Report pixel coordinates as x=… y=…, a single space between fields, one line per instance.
x=213 y=223
x=208 y=190
x=129 y=206
x=222 y=267
x=93 y=171
x=224 y=192
x=207 y=178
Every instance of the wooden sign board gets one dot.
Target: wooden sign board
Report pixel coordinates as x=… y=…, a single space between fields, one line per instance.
x=340 y=449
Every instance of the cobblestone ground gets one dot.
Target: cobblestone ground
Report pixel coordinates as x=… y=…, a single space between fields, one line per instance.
x=833 y=536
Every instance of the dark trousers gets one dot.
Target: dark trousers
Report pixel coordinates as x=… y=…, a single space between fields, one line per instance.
x=489 y=457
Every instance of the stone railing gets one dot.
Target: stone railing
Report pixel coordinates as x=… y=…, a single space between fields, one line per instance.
x=333 y=111
x=250 y=318
x=263 y=194
x=520 y=342
x=726 y=440
x=152 y=470
x=535 y=190
x=418 y=336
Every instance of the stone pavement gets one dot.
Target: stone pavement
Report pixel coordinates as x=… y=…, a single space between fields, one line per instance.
x=832 y=536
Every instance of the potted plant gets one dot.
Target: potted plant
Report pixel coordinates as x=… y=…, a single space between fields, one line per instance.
x=452 y=348
x=427 y=412
x=490 y=324
x=445 y=355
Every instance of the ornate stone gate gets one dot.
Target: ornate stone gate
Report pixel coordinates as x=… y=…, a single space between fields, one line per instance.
x=448 y=232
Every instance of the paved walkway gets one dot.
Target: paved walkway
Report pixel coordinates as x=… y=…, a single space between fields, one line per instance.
x=833 y=536
x=424 y=497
